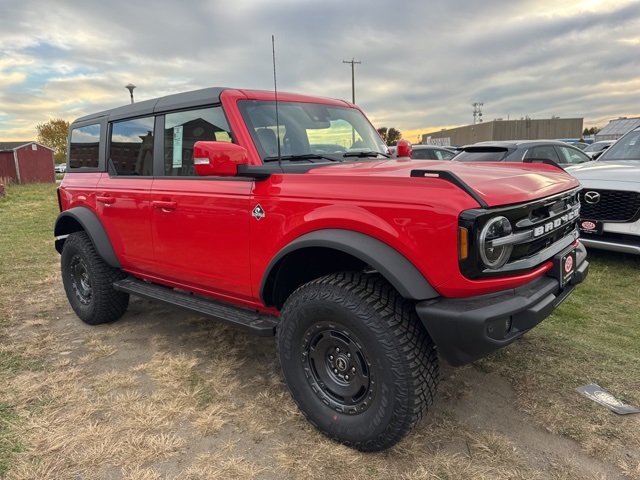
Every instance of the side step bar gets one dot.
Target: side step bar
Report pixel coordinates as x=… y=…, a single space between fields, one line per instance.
x=255 y=322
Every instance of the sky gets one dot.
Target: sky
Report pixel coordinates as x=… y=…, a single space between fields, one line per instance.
x=423 y=63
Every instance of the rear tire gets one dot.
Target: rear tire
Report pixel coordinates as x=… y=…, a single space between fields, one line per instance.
x=357 y=360
x=88 y=282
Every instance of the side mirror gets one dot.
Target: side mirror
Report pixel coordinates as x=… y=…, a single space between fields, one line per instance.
x=404 y=148
x=218 y=158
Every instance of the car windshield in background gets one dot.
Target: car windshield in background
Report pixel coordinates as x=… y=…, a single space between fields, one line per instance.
x=306 y=129
x=487 y=154
x=627 y=148
x=596 y=147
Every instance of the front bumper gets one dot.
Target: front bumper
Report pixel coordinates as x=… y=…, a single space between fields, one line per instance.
x=467 y=329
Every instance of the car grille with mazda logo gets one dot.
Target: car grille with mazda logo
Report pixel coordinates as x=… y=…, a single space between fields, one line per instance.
x=613 y=206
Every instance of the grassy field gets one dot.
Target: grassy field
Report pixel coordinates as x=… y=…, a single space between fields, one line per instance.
x=163 y=395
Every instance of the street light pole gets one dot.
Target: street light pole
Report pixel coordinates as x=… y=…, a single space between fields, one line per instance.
x=130 y=87
x=352 y=62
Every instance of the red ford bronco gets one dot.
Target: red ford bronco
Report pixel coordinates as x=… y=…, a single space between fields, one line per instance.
x=288 y=216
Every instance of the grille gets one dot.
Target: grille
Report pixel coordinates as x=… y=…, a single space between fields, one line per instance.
x=540 y=230
x=614 y=206
x=540 y=217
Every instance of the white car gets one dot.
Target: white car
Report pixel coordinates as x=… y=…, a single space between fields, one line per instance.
x=61 y=168
x=610 y=198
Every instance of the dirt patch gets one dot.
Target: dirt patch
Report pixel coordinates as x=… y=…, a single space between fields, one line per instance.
x=162 y=394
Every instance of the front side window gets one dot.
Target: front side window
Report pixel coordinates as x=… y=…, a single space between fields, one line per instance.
x=307 y=129
x=183 y=129
x=131 y=146
x=84 y=147
x=569 y=155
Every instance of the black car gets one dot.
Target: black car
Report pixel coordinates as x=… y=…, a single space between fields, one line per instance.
x=518 y=150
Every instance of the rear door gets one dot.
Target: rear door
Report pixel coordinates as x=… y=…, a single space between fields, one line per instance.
x=122 y=194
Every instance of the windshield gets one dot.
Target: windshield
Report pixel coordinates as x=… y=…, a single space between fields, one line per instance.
x=308 y=130
x=596 y=147
x=627 y=148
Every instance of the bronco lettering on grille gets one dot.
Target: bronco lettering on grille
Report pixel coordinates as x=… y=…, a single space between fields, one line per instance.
x=555 y=224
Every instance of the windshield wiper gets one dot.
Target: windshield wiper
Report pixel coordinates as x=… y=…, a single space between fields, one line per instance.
x=365 y=154
x=301 y=158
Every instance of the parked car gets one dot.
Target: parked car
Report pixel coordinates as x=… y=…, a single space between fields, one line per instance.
x=597 y=148
x=432 y=152
x=61 y=168
x=519 y=150
x=610 y=198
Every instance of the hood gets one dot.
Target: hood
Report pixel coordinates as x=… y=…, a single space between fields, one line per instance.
x=497 y=184
x=597 y=171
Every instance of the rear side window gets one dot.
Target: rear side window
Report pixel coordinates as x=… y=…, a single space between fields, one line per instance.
x=545 y=151
x=183 y=129
x=84 y=147
x=421 y=154
x=131 y=146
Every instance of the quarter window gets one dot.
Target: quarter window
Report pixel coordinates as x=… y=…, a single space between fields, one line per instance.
x=84 y=147
x=131 y=147
x=183 y=129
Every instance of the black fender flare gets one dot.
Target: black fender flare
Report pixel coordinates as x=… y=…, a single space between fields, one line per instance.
x=390 y=263
x=67 y=223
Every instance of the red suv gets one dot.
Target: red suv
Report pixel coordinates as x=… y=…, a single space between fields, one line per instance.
x=289 y=217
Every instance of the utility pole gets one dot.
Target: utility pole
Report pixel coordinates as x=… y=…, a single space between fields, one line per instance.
x=352 y=62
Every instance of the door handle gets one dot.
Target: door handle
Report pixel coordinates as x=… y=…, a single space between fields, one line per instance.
x=107 y=200
x=164 y=205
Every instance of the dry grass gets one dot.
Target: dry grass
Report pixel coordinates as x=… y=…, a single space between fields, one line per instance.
x=165 y=395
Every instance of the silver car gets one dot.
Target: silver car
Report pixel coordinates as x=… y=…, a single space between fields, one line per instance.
x=610 y=198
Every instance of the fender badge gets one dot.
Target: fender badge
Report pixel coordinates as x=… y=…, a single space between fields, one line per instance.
x=258 y=212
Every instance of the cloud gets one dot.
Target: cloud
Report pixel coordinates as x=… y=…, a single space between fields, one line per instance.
x=423 y=63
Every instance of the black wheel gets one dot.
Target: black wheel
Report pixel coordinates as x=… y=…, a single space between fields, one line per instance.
x=357 y=360
x=88 y=282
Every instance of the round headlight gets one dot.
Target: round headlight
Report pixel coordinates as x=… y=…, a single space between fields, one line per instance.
x=494 y=256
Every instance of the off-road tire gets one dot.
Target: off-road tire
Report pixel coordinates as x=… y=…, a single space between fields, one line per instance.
x=88 y=280
x=357 y=360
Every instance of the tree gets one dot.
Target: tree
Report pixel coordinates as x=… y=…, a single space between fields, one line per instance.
x=390 y=135
x=53 y=134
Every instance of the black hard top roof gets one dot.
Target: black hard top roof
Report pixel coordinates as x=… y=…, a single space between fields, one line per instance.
x=178 y=101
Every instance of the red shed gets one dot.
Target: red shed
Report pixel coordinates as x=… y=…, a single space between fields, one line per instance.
x=26 y=162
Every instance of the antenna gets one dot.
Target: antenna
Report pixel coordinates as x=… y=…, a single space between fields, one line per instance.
x=275 y=89
x=477 y=112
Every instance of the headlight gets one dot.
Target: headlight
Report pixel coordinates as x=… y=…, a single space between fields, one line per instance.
x=495 y=256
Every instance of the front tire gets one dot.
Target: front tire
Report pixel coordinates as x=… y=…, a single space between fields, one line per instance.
x=357 y=360
x=88 y=280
